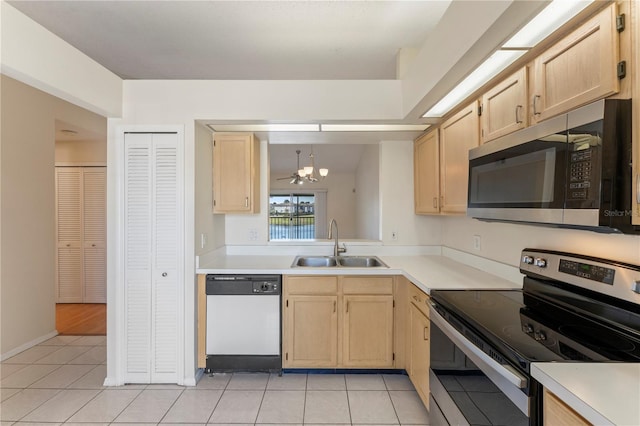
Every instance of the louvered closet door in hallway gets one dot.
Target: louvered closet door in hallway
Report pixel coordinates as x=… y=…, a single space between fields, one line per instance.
x=81 y=225
x=153 y=253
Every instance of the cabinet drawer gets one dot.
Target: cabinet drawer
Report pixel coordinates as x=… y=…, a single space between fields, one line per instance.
x=367 y=285
x=420 y=299
x=311 y=285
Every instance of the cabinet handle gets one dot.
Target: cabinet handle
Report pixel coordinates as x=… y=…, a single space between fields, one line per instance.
x=425 y=333
x=334 y=306
x=435 y=202
x=535 y=104
x=93 y=245
x=68 y=245
x=416 y=299
x=518 y=110
x=246 y=201
x=347 y=307
x=638 y=188
x=164 y=274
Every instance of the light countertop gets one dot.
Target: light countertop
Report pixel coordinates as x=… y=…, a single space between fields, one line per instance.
x=429 y=272
x=602 y=393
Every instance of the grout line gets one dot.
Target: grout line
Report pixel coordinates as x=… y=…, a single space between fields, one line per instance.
x=171 y=406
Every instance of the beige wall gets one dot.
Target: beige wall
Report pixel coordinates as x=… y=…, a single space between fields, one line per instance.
x=27 y=229
x=207 y=223
x=83 y=152
x=504 y=242
x=368 y=194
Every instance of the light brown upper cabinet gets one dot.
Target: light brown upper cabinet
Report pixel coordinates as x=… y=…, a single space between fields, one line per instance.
x=578 y=69
x=458 y=135
x=236 y=173
x=426 y=174
x=504 y=107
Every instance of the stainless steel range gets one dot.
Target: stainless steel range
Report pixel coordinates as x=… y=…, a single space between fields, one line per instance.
x=572 y=308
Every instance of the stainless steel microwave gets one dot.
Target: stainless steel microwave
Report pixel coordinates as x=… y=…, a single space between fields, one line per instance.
x=572 y=170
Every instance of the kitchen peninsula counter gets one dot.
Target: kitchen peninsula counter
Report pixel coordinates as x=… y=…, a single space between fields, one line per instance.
x=604 y=393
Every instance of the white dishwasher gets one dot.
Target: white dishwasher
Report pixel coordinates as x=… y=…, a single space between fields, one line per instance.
x=244 y=323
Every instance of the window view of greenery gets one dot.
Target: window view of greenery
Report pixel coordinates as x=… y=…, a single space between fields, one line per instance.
x=292 y=217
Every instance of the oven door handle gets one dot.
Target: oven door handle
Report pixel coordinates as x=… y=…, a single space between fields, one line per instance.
x=476 y=355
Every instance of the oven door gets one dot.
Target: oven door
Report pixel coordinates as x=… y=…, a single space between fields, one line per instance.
x=469 y=387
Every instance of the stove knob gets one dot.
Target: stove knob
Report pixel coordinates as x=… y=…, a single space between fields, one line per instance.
x=540 y=336
x=527 y=328
x=528 y=260
x=264 y=287
x=540 y=262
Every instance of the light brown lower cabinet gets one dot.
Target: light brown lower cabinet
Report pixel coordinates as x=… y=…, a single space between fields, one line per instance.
x=338 y=321
x=419 y=349
x=557 y=413
x=312 y=338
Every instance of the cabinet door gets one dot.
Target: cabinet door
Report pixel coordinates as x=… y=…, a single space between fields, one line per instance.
x=557 y=413
x=426 y=174
x=504 y=107
x=311 y=331
x=578 y=69
x=368 y=331
x=94 y=234
x=458 y=135
x=635 y=201
x=69 y=235
x=235 y=173
x=419 y=353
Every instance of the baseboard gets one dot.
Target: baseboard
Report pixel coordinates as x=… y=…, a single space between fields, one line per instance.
x=28 y=345
x=192 y=381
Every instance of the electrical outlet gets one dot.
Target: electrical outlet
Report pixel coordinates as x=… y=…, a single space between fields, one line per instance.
x=203 y=240
x=253 y=234
x=394 y=235
x=477 y=242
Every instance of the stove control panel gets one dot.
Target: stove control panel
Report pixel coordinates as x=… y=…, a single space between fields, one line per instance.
x=588 y=271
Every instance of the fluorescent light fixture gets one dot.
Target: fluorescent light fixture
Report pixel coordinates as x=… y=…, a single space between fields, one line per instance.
x=546 y=22
x=373 y=127
x=265 y=127
x=487 y=70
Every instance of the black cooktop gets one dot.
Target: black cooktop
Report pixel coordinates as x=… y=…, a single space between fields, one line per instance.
x=532 y=326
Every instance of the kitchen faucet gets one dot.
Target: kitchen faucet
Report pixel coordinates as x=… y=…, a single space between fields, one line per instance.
x=336 y=250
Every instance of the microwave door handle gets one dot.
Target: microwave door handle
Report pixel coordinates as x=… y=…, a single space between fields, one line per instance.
x=476 y=355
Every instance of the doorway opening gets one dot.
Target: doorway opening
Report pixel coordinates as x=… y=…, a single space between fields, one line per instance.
x=80 y=218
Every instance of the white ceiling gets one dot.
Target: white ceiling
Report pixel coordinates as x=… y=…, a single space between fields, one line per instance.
x=278 y=40
x=218 y=40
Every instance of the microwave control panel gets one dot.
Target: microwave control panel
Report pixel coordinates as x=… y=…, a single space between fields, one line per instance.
x=580 y=174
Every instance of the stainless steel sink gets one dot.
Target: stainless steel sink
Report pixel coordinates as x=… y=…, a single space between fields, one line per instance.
x=337 y=262
x=315 y=261
x=361 y=262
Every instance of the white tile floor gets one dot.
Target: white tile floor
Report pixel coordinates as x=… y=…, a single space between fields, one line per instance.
x=60 y=381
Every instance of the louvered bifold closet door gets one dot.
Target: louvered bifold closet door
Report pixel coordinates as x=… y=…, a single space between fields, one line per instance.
x=94 y=190
x=153 y=185
x=166 y=257
x=69 y=235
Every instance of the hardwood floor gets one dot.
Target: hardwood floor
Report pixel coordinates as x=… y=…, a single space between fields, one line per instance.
x=81 y=318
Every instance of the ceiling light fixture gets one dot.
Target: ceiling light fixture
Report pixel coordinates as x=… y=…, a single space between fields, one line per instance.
x=306 y=173
x=373 y=127
x=265 y=127
x=547 y=21
x=493 y=65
